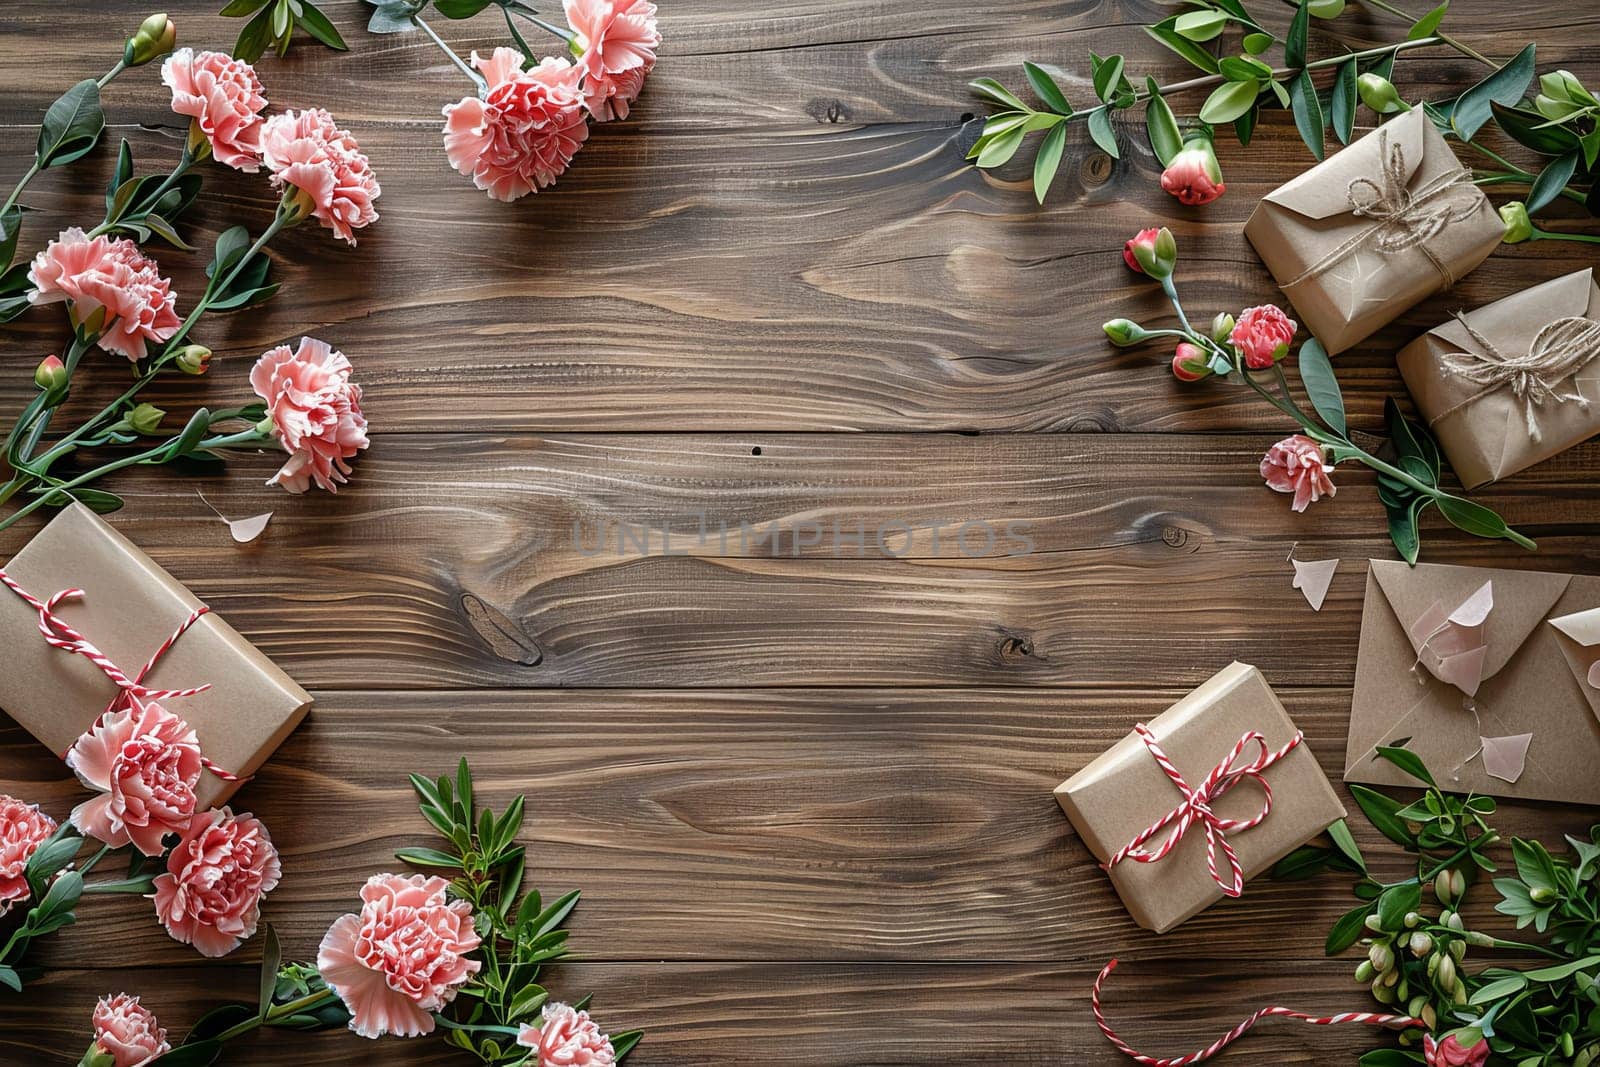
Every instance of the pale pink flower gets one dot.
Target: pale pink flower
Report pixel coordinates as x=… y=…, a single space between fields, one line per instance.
x=402 y=958
x=92 y=273
x=523 y=134
x=309 y=151
x=567 y=1038
x=23 y=828
x=143 y=763
x=618 y=39
x=1194 y=176
x=1190 y=363
x=126 y=1031
x=217 y=874
x=1263 y=335
x=1297 y=465
x=315 y=410
x=224 y=98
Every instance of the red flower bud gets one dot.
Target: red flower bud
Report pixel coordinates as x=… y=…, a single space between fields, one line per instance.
x=1146 y=238
x=50 y=374
x=1190 y=363
x=1193 y=176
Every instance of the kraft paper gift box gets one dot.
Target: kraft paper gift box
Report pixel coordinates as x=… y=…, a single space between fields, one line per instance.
x=1527 y=667
x=1124 y=791
x=130 y=606
x=1514 y=382
x=1368 y=233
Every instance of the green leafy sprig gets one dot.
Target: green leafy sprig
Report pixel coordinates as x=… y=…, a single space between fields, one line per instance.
x=272 y=24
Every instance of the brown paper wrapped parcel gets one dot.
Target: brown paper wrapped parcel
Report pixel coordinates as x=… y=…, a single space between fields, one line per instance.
x=1357 y=240
x=1124 y=791
x=129 y=607
x=1514 y=382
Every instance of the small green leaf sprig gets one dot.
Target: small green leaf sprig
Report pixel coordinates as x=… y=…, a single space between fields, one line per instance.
x=1408 y=472
x=272 y=24
x=1416 y=938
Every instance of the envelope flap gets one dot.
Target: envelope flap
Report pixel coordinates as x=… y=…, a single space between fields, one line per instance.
x=1322 y=191
x=1582 y=626
x=1511 y=324
x=1522 y=600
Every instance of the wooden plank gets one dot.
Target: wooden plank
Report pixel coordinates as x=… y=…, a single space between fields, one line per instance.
x=779 y=279
x=1026 y=1015
x=797 y=62
x=815 y=825
x=466 y=561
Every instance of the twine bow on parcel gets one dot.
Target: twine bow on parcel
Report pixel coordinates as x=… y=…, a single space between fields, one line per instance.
x=1406 y=217
x=1558 y=351
x=1195 y=808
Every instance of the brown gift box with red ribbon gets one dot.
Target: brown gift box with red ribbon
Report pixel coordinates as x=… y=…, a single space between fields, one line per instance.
x=1212 y=792
x=129 y=608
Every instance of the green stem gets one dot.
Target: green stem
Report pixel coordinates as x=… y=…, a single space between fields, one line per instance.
x=105 y=79
x=279 y=1012
x=477 y=79
x=533 y=17
x=1514 y=173
x=1548 y=235
x=285 y=216
x=81 y=343
x=1470 y=53
x=28 y=176
x=186 y=162
x=92 y=860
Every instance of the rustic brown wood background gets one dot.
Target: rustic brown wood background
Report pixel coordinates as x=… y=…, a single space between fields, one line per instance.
x=806 y=794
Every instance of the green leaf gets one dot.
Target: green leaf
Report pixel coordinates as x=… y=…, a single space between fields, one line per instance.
x=200 y=1054
x=1229 y=101
x=1425 y=26
x=10 y=979
x=624 y=1043
x=10 y=232
x=1350 y=928
x=1307 y=112
x=71 y=126
x=1048 y=160
x=555 y=914
x=395 y=17
x=1256 y=43
x=1507 y=85
x=1304 y=862
x=1397 y=902
x=1107 y=78
x=1186 y=48
x=1562 y=970
x=999 y=151
x=1501 y=987
x=1407 y=761
x=1279 y=91
x=317 y=25
x=1534 y=865
x=1201 y=25
x=1530 y=129
x=1104 y=136
x=120 y=174
x=1381 y=810
x=1551 y=180
x=460 y=9
x=1387 y=1057
x=232 y=244
x=1244 y=126
x=240 y=8
x=1166 y=140
x=1046 y=88
x=193 y=433
x=271 y=958
x=998 y=93
x=1344 y=100
x=1294 y=46
x=1411 y=439
x=163 y=229
x=255 y=36
x=1242 y=68
x=1472 y=517
x=428 y=857
x=1345 y=842
x=1322 y=386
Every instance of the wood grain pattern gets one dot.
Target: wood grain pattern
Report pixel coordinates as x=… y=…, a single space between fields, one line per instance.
x=803 y=783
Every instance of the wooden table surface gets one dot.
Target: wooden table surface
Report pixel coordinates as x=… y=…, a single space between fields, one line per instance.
x=803 y=785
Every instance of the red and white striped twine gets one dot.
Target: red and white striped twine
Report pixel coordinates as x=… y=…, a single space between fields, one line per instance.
x=58 y=633
x=1362 y=1018
x=1196 y=807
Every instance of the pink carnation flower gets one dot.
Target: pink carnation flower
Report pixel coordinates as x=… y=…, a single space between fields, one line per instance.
x=143 y=763
x=567 y=1038
x=402 y=958
x=619 y=41
x=523 y=135
x=1263 y=335
x=315 y=410
x=23 y=828
x=125 y=1030
x=309 y=151
x=1297 y=465
x=92 y=273
x=217 y=874
x=224 y=98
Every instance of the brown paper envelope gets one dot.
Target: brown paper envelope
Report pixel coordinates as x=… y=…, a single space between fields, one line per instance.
x=1297 y=224
x=131 y=606
x=1122 y=791
x=1528 y=685
x=1579 y=637
x=1485 y=434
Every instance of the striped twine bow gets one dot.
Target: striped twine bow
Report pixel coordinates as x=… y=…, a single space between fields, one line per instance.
x=1407 y=218
x=1362 y=1018
x=1196 y=807
x=1557 y=352
x=131 y=690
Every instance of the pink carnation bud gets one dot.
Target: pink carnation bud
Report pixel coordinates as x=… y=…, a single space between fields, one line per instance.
x=1145 y=238
x=1194 y=176
x=1297 y=465
x=1262 y=335
x=50 y=374
x=1190 y=363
